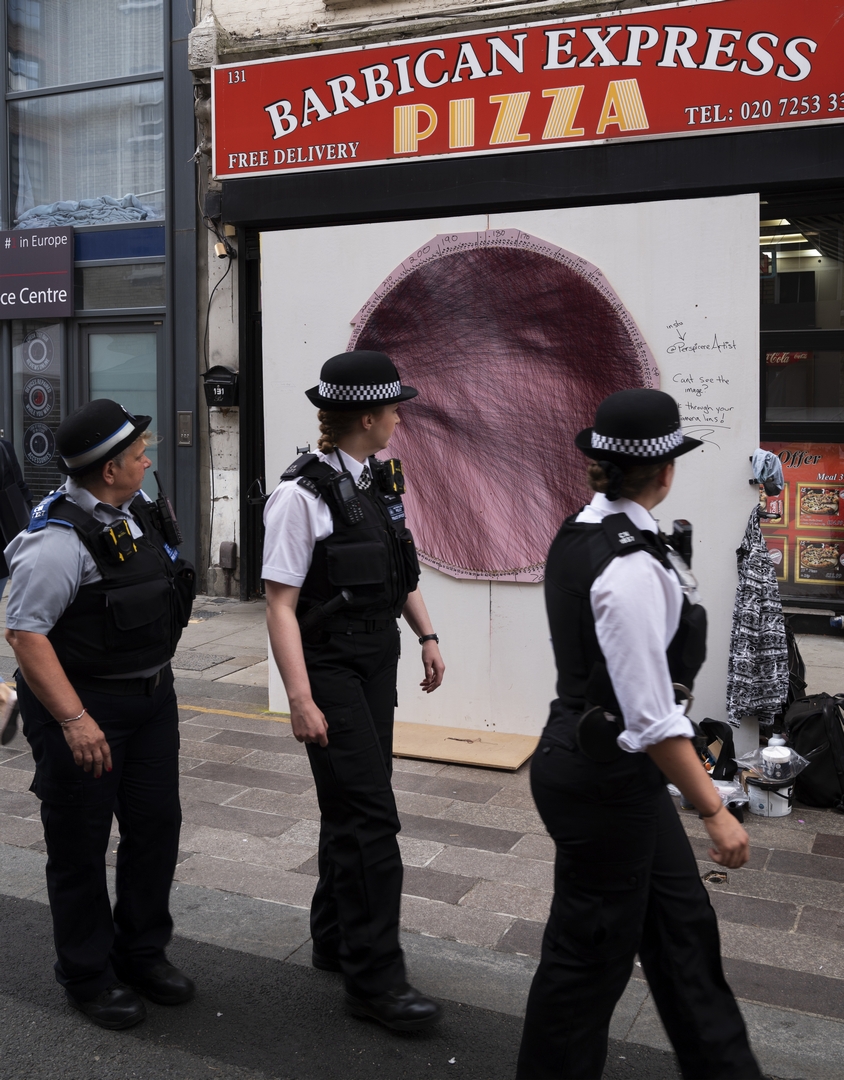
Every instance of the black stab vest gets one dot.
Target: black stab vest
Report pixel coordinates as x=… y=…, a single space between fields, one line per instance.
x=133 y=618
x=375 y=558
x=578 y=556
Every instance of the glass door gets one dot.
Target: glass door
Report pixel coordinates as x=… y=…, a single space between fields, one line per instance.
x=122 y=362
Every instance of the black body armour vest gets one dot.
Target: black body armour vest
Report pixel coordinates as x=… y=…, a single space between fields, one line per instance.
x=133 y=618
x=374 y=558
x=578 y=556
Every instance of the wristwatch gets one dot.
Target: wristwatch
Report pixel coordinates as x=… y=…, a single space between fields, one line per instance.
x=429 y=637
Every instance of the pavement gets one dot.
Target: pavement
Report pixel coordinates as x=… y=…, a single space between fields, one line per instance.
x=478 y=883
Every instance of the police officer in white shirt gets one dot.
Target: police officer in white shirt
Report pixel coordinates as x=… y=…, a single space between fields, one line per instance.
x=625 y=629
x=340 y=567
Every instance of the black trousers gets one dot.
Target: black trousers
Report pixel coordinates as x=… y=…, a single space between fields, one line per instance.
x=355 y=909
x=625 y=880
x=142 y=790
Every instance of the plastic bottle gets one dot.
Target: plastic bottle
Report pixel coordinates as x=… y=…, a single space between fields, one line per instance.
x=776 y=740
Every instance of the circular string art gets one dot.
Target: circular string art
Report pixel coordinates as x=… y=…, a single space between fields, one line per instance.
x=512 y=342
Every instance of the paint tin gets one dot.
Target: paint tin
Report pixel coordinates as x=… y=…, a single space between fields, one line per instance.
x=776 y=763
x=770 y=798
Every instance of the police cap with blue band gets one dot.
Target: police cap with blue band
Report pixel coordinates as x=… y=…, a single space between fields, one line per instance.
x=95 y=434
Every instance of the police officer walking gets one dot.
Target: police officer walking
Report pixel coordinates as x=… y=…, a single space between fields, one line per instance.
x=340 y=567
x=98 y=598
x=629 y=638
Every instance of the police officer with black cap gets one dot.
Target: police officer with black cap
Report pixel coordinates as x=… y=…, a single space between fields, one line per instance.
x=339 y=568
x=98 y=598
x=629 y=637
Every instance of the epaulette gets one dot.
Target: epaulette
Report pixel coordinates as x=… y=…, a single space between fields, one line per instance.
x=308 y=470
x=295 y=470
x=46 y=511
x=623 y=536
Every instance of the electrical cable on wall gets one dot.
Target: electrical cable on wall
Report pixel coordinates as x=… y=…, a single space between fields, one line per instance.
x=228 y=253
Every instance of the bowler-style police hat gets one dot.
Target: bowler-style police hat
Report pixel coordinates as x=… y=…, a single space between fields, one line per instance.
x=636 y=427
x=96 y=433
x=357 y=380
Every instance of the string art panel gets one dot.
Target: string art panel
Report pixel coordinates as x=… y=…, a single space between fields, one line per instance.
x=511 y=342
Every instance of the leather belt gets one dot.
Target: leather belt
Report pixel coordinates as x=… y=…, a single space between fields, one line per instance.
x=141 y=687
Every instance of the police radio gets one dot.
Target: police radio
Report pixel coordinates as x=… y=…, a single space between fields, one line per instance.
x=166 y=519
x=346 y=498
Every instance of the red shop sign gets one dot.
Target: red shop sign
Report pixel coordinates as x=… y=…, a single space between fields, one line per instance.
x=685 y=69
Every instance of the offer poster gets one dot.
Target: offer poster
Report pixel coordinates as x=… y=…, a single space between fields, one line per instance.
x=805 y=529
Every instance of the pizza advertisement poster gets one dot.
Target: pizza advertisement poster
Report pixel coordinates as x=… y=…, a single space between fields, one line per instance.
x=820 y=506
x=819 y=561
x=810 y=528
x=778 y=553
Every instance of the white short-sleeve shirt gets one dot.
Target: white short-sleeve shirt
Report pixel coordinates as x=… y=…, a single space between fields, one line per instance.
x=295 y=519
x=636 y=603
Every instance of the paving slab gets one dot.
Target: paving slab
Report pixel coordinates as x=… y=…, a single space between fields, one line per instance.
x=492 y=866
x=446 y=921
x=252 y=778
x=457 y=833
x=278 y=852
x=525 y=938
x=449 y=888
x=251 y=675
x=411 y=803
x=508 y=899
x=751 y=911
x=259 y=882
x=265 y=739
x=447 y=787
x=821 y=922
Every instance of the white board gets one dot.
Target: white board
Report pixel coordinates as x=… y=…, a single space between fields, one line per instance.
x=687 y=271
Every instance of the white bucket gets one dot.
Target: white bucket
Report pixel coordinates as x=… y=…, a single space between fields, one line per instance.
x=770 y=798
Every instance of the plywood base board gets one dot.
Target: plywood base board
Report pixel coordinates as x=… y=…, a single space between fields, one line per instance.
x=462 y=746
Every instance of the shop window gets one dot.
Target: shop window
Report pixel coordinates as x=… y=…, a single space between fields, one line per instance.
x=804 y=386
x=126 y=285
x=82 y=40
x=802 y=273
x=76 y=155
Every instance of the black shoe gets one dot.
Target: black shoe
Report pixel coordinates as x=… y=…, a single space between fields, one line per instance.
x=160 y=982
x=324 y=961
x=115 y=1008
x=402 y=1009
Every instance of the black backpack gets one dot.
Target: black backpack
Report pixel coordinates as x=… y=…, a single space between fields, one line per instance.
x=814 y=727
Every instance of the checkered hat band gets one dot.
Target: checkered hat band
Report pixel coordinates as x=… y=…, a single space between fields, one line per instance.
x=375 y=392
x=664 y=444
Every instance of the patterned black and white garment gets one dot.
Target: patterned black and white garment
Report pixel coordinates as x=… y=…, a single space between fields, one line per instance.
x=757 y=673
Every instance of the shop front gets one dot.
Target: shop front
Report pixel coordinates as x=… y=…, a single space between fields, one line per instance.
x=528 y=218
x=91 y=158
